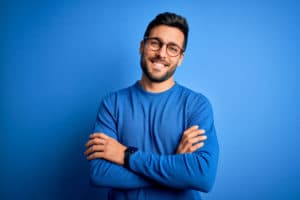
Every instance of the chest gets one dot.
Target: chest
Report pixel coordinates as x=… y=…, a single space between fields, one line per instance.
x=155 y=127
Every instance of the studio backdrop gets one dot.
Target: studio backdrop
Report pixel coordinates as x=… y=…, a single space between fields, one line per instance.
x=59 y=58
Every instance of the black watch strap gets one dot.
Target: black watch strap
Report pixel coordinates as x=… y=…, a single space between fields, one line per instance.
x=128 y=152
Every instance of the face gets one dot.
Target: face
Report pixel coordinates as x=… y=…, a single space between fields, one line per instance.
x=157 y=65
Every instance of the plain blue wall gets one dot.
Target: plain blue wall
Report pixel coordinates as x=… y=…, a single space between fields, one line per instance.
x=58 y=58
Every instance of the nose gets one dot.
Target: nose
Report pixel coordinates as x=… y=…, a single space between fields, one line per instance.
x=163 y=51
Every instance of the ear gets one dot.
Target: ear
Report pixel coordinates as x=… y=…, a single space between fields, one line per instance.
x=142 y=44
x=180 y=59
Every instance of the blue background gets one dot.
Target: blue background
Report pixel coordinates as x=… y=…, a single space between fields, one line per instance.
x=58 y=58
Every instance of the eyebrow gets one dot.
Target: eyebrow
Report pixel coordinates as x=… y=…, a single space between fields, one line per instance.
x=169 y=43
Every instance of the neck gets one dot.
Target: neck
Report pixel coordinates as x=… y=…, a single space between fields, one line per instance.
x=154 y=87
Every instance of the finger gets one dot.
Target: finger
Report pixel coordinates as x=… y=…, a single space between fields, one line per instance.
x=196 y=147
x=192 y=128
x=179 y=148
x=93 y=135
x=183 y=149
x=193 y=134
x=186 y=145
x=95 y=155
x=194 y=140
x=201 y=131
x=94 y=148
x=95 y=141
x=99 y=135
x=199 y=138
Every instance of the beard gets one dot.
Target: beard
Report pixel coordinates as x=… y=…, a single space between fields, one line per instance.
x=156 y=79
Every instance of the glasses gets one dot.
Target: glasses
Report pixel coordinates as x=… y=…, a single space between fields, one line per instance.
x=155 y=44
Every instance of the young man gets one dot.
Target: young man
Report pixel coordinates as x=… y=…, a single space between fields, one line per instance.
x=155 y=139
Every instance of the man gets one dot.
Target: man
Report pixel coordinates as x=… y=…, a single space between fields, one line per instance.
x=155 y=139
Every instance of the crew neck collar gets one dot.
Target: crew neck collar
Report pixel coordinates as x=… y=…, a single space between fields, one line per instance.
x=139 y=86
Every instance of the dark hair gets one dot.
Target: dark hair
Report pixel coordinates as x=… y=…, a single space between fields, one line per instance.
x=170 y=19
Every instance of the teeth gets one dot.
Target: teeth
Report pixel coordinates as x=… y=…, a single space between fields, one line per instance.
x=158 y=65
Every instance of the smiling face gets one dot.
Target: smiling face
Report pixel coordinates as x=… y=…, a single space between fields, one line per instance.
x=157 y=65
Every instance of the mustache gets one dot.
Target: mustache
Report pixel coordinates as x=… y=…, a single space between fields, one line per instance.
x=160 y=60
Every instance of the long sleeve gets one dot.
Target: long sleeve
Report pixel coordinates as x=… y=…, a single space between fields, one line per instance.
x=184 y=171
x=104 y=173
x=107 y=174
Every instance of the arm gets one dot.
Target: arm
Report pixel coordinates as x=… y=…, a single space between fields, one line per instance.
x=188 y=170
x=104 y=147
x=195 y=170
x=105 y=173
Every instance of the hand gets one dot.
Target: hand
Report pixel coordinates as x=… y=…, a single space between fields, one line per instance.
x=105 y=147
x=192 y=139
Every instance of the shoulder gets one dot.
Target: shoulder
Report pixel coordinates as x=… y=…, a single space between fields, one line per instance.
x=197 y=105
x=113 y=96
x=192 y=96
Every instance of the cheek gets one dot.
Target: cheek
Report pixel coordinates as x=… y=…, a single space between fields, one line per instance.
x=146 y=56
x=175 y=62
x=179 y=61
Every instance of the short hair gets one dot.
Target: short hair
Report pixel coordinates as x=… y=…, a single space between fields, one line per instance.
x=170 y=19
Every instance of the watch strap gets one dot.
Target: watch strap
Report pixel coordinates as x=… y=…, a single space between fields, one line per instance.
x=128 y=152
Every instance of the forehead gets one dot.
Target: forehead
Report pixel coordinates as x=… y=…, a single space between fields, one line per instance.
x=168 y=34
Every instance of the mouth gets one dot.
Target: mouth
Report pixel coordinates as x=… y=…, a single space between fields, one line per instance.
x=159 y=64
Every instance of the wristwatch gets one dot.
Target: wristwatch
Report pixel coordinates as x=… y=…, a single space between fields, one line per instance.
x=128 y=152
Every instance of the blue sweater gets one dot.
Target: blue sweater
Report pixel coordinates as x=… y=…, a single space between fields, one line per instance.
x=154 y=123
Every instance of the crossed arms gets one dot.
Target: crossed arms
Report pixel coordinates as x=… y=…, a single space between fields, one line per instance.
x=193 y=166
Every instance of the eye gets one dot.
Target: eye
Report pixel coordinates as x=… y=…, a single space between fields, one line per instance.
x=154 y=43
x=173 y=49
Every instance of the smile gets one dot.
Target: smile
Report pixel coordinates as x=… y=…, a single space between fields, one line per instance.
x=158 y=64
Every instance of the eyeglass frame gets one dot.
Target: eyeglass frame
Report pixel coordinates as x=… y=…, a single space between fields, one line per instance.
x=161 y=44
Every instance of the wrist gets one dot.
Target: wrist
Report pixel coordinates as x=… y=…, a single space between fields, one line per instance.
x=127 y=154
x=121 y=156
